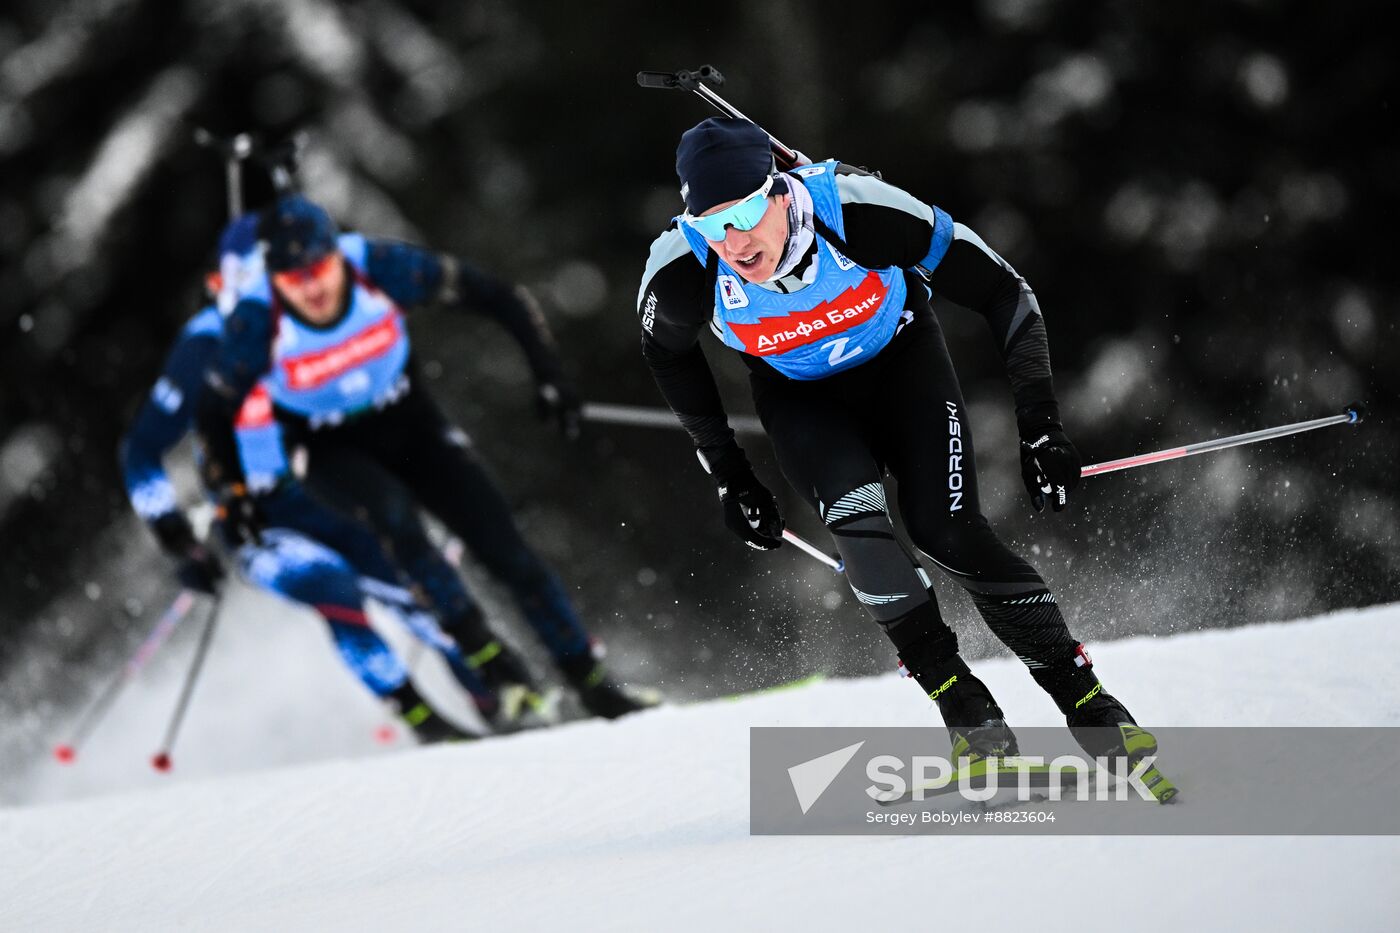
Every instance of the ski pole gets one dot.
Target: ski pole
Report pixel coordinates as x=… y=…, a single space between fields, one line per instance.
x=701 y=81
x=161 y=759
x=1351 y=415
x=642 y=416
x=67 y=752
x=663 y=418
x=802 y=544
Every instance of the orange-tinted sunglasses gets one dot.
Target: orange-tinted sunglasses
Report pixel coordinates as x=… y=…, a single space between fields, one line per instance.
x=317 y=270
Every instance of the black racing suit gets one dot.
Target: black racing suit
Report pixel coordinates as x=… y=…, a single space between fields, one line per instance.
x=901 y=413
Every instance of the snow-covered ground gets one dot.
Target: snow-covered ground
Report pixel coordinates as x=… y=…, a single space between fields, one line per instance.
x=643 y=823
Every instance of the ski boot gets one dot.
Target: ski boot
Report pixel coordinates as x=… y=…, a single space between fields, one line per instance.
x=519 y=702
x=1104 y=728
x=1101 y=725
x=992 y=738
x=427 y=724
x=976 y=725
x=984 y=747
x=599 y=693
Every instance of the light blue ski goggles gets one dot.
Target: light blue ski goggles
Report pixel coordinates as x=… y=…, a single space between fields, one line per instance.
x=744 y=214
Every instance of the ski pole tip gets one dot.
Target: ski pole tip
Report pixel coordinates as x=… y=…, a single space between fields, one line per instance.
x=65 y=754
x=1357 y=410
x=161 y=762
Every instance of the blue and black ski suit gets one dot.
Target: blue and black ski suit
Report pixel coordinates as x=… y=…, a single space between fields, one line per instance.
x=378 y=446
x=307 y=552
x=853 y=381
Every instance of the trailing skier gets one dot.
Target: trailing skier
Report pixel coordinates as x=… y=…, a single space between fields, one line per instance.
x=300 y=550
x=323 y=333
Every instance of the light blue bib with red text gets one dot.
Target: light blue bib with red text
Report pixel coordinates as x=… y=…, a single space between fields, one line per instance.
x=329 y=373
x=843 y=318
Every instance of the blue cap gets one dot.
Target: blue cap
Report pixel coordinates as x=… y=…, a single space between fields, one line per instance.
x=297 y=232
x=722 y=159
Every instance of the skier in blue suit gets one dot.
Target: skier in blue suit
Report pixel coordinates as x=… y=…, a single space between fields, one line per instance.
x=324 y=333
x=308 y=554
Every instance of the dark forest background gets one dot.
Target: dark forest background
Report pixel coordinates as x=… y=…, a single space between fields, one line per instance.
x=1202 y=195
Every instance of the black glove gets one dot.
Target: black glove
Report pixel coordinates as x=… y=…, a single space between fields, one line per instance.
x=1049 y=465
x=557 y=400
x=750 y=510
x=198 y=567
x=752 y=513
x=240 y=517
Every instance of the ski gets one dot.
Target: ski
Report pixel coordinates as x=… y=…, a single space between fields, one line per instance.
x=1038 y=779
x=1010 y=772
x=1158 y=785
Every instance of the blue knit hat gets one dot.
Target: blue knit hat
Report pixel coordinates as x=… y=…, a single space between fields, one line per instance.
x=722 y=159
x=297 y=232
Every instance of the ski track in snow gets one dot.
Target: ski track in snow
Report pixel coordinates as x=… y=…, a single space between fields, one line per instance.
x=643 y=824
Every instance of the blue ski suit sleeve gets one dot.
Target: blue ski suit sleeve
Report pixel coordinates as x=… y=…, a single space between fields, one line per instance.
x=165 y=417
x=413 y=276
x=241 y=357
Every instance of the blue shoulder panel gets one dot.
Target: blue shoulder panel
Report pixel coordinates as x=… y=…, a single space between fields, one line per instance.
x=942 y=239
x=208 y=322
x=355 y=247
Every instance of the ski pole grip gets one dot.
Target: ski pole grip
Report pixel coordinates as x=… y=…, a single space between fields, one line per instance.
x=1357 y=410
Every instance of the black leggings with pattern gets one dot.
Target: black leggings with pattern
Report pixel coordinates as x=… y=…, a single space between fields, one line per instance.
x=388 y=466
x=902 y=415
